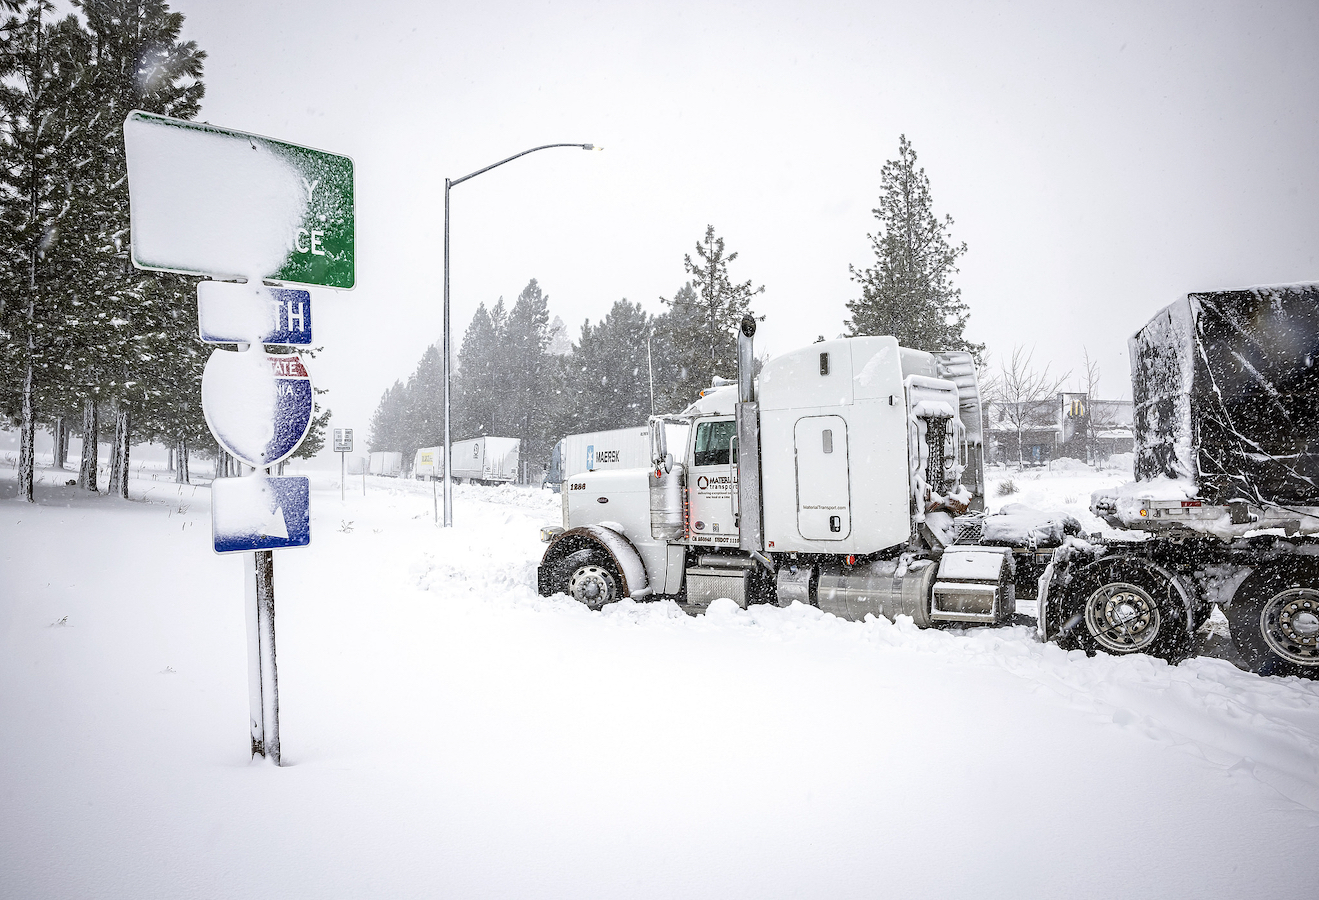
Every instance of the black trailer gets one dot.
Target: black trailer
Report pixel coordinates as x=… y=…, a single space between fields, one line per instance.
x=1226 y=498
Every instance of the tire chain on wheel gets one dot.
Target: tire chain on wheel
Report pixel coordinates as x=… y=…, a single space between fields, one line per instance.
x=1172 y=643
x=1248 y=604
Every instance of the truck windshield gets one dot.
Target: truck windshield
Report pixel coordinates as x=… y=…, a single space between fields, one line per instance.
x=713 y=443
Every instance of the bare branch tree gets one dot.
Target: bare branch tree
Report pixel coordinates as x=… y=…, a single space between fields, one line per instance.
x=1025 y=395
x=1100 y=416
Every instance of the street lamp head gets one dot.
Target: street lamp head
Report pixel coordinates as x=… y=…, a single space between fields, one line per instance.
x=591 y=147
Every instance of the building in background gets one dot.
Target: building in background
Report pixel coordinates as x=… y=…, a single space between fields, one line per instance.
x=1068 y=424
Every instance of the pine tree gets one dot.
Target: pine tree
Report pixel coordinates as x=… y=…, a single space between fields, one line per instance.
x=424 y=404
x=138 y=62
x=90 y=333
x=526 y=339
x=474 y=393
x=610 y=381
x=388 y=421
x=700 y=329
x=908 y=292
x=42 y=71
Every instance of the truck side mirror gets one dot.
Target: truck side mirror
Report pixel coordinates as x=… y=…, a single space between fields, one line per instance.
x=659 y=445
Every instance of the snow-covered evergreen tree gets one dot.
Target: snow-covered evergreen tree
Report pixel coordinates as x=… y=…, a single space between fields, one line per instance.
x=424 y=404
x=42 y=70
x=610 y=386
x=387 y=426
x=526 y=412
x=473 y=390
x=908 y=292
x=86 y=329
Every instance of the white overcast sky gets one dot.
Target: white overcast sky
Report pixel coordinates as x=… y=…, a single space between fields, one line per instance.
x=1098 y=158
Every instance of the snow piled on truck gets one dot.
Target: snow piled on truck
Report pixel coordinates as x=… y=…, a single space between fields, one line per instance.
x=1019 y=525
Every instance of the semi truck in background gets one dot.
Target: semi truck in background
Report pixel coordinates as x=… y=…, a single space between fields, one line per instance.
x=850 y=476
x=386 y=462
x=483 y=460
x=487 y=460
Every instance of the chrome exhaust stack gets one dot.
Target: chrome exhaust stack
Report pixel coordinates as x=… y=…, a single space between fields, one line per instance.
x=750 y=522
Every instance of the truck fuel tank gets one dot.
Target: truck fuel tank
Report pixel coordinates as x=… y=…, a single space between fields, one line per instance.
x=885 y=588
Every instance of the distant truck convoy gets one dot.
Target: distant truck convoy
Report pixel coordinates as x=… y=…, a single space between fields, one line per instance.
x=386 y=462
x=483 y=460
x=849 y=476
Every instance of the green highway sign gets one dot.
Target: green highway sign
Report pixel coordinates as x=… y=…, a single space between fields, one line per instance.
x=213 y=201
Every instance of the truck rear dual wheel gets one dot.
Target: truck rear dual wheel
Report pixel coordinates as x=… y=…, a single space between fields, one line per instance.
x=1121 y=607
x=1274 y=618
x=589 y=577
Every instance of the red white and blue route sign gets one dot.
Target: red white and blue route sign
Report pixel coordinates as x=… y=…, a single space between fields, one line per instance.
x=259 y=415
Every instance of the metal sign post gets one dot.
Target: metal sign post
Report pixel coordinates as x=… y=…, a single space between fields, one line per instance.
x=247 y=209
x=262 y=674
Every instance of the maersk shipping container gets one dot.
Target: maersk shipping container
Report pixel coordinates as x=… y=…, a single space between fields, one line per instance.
x=619 y=448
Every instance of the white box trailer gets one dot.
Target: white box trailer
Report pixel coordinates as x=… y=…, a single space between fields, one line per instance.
x=488 y=460
x=386 y=462
x=618 y=448
x=428 y=464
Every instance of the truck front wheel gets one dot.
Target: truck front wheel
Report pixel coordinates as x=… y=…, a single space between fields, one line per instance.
x=1275 y=620
x=589 y=578
x=1123 y=608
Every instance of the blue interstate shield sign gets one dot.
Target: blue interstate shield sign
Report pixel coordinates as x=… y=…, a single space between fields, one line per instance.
x=258 y=406
x=259 y=513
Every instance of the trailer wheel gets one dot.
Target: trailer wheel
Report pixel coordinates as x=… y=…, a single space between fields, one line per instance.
x=588 y=577
x=1274 y=618
x=1121 y=607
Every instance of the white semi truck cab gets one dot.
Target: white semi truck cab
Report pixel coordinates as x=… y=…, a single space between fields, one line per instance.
x=834 y=479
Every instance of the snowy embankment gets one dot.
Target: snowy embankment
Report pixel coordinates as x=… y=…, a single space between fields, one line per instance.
x=447 y=732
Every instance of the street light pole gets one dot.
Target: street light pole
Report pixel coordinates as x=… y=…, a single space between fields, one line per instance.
x=448 y=342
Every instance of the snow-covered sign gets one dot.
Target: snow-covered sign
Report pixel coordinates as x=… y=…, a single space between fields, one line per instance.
x=213 y=201
x=343 y=440
x=257 y=405
x=255 y=513
x=231 y=313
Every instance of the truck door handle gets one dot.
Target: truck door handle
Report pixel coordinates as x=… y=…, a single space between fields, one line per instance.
x=835 y=523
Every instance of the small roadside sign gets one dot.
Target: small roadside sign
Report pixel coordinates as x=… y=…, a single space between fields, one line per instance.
x=343 y=440
x=214 y=201
x=249 y=422
x=231 y=313
x=255 y=513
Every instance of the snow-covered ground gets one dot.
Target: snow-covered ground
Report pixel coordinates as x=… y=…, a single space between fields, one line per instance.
x=449 y=733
